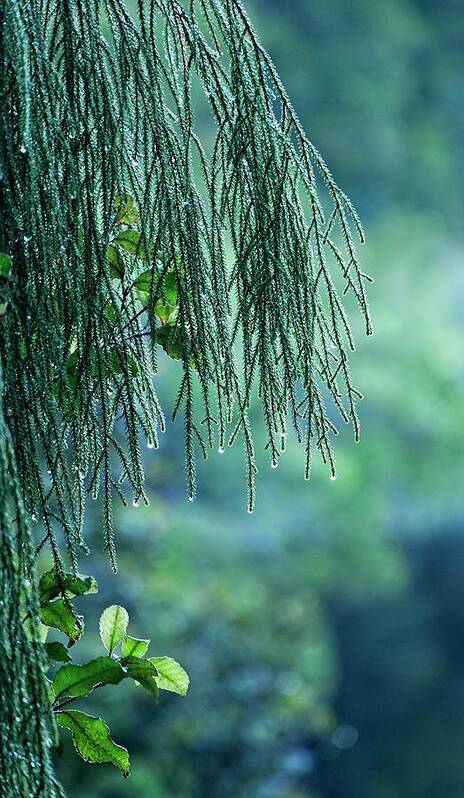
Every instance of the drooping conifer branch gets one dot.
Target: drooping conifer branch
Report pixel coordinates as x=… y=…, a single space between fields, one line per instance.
x=114 y=221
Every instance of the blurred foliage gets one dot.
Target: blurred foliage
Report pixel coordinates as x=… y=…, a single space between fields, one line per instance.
x=323 y=634
x=378 y=85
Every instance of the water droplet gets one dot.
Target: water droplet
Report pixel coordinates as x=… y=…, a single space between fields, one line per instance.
x=22 y=149
x=333 y=477
x=250 y=510
x=150 y=444
x=221 y=450
x=136 y=503
x=274 y=464
x=191 y=498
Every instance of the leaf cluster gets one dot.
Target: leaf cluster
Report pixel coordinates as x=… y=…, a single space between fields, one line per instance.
x=125 y=659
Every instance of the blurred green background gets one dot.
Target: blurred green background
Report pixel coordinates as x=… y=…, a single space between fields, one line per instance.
x=324 y=635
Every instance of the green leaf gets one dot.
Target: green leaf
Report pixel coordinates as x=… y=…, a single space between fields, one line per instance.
x=166 y=313
x=170 y=289
x=169 y=339
x=57 y=652
x=92 y=741
x=166 y=307
x=147 y=282
x=77 y=680
x=127 y=212
x=51 y=585
x=60 y=616
x=171 y=676
x=5 y=264
x=113 y=626
x=133 y=647
x=130 y=241
x=116 y=261
x=142 y=671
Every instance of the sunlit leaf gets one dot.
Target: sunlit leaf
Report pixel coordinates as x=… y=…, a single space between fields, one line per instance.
x=78 y=680
x=52 y=585
x=142 y=671
x=171 y=676
x=147 y=285
x=92 y=741
x=113 y=626
x=127 y=212
x=133 y=647
x=130 y=241
x=166 y=313
x=59 y=615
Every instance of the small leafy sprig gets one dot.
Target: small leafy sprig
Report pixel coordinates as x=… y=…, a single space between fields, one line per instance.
x=143 y=287
x=156 y=287
x=125 y=658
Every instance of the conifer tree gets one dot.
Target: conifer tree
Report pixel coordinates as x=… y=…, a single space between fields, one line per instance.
x=115 y=223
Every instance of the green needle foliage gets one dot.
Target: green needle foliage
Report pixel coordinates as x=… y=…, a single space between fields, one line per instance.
x=115 y=218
